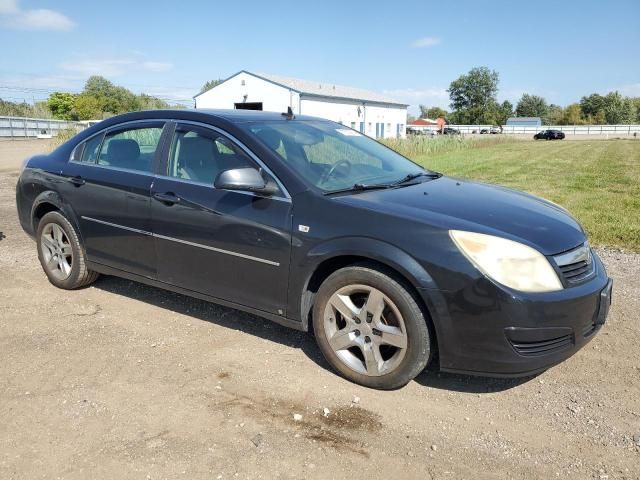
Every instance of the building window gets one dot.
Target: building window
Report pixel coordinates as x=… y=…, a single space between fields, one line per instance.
x=353 y=125
x=361 y=127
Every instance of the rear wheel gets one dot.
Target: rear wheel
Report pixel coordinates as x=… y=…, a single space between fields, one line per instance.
x=370 y=328
x=60 y=253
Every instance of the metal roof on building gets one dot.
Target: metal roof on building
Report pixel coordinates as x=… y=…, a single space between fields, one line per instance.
x=323 y=89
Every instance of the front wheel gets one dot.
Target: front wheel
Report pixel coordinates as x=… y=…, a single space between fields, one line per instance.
x=370 y=328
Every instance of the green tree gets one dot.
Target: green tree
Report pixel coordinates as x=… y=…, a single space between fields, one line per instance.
x=147 y=102
x=572 y=115
x=114 y=99
x=618 y=109
x=504 y=111
x=432 y=112
x=636 y=105
x=592 y=105
x=473 y=96
x=555 y=115
x=210 y=84
x=88 y=107
x=532 y=106
x=61 y=105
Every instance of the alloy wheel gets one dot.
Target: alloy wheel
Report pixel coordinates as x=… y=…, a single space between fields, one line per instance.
x=365 y=329
x=56 y=250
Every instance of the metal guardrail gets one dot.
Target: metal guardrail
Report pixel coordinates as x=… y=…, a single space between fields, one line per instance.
x=21 y=127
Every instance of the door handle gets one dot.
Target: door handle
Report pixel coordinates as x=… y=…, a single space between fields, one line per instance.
x=168 y=198
x=77 y=180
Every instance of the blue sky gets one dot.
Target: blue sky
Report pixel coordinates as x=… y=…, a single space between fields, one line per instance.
x=411 y=49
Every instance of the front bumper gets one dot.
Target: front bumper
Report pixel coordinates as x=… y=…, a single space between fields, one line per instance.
x=486 y=330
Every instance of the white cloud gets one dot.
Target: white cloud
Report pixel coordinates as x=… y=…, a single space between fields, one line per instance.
x=432 y=97
x=43 y=19
x=8 y=7
x=113 y=66
x=426 y=42
x=108 y=67
x=157 y=66
x=37 y=19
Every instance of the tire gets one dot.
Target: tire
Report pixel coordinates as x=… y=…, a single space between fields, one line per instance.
x=369 y=348
x=61 y=254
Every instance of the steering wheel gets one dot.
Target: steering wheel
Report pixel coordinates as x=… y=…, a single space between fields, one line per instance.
x=327 y=175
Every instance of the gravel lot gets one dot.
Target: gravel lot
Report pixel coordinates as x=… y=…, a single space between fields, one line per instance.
x=121 y=380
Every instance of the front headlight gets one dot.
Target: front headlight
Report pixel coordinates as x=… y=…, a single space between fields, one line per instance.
x=507 y=262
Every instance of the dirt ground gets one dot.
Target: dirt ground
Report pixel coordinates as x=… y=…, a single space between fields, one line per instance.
x=120 y=380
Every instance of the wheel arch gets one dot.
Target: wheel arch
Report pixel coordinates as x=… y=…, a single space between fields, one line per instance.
x=328 y=257
x=50 y=201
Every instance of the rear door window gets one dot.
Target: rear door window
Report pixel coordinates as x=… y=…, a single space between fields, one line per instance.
x=132 y=148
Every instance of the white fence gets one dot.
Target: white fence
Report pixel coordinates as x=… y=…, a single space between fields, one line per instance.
x=20 y=127
x=609 y=130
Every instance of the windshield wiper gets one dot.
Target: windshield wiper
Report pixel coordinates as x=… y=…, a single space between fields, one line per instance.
x=413 y=176
x=361 y=187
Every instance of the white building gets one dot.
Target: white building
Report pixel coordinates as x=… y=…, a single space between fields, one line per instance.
x=371 y=113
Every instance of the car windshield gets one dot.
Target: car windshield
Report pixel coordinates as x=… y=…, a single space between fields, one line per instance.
x=333 y=157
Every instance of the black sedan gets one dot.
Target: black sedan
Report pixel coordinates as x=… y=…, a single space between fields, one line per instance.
x=549 y=135
x=316 y=226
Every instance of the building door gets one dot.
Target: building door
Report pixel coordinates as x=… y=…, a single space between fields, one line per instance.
x=248 y=106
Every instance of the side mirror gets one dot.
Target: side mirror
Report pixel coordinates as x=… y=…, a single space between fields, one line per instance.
x=245 y=180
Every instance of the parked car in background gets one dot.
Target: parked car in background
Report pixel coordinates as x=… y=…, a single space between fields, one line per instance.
x=319 y=227
x=422 y=131
x=483 y=131
x=450 y=131
x=495 y=130
x=549 y=135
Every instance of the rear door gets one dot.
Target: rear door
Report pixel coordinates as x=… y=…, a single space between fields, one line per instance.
x=108 y=184
x=227 y=244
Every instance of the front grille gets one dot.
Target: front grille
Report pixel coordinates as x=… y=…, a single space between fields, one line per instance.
x=576 y=265
x=545 y=347
x=575 y=272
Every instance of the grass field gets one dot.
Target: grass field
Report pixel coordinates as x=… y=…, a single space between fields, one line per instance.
x=597 y=181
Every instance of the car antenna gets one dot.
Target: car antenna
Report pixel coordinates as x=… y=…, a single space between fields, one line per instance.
x=289 y=114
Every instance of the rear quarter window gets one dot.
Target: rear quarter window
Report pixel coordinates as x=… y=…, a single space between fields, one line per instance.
x=88 y=151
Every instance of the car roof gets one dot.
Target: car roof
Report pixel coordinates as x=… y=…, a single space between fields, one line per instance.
x=232 y=116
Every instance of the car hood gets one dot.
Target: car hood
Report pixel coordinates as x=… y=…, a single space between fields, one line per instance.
x=460 y=204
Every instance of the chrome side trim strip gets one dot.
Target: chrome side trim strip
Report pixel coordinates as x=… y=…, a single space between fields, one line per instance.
x=219 y=250
x=143 y=232
x=185 y=242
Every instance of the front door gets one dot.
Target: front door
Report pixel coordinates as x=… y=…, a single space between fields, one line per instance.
x=109 y=186
x=230 y=245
